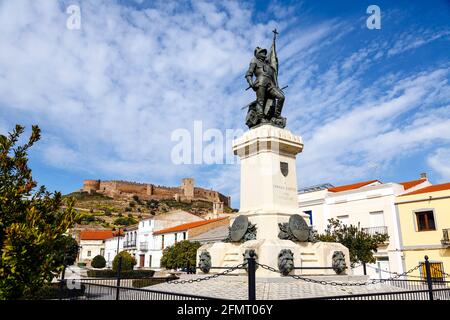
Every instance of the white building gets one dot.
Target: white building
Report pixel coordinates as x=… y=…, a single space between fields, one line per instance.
x=168 y=237
x=370 y=205
x=145 y=249
x=113 y=245
x=92 y=243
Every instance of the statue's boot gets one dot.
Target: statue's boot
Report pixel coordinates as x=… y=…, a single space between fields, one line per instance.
x=260 y=112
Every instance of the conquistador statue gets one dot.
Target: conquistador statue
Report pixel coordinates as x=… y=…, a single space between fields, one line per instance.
x=269 y=97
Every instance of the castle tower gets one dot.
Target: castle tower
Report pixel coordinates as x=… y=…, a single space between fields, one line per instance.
x=187 y=186
x=91 y=186
x=217 y=208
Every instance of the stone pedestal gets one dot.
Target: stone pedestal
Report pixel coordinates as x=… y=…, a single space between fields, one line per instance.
x=269 y=197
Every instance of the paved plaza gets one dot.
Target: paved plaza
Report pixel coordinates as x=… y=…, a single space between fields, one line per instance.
x=235 y=287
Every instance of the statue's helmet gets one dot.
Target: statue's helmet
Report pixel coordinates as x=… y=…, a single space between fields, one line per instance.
x=259 y=50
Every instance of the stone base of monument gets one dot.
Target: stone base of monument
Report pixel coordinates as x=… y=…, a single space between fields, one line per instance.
x=305 y=254
x=268 y=199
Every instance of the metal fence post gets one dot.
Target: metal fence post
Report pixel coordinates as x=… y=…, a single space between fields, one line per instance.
x=251 y=276
x=119 y=267
x=428 y=273
x=61 y=283
x=364 y=268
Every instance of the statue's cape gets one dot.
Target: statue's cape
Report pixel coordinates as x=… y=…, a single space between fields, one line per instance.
x=273 y=60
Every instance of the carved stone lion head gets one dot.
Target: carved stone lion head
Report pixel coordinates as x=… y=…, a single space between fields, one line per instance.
x=338 y=262
x=285 y=261
x=204 y=263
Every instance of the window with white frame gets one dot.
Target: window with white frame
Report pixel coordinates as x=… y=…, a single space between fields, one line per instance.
x=344 y=219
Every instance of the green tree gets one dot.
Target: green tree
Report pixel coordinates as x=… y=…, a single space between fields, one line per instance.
x=125 y=221
x=68 y=250
x=181 y=255
x=361 y=245
x=32 y=222
x=128 y=262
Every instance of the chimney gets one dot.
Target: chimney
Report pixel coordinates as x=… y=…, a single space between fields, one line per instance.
x=423 y=175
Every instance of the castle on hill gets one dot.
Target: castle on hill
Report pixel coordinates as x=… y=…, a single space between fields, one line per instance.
x=186 y=192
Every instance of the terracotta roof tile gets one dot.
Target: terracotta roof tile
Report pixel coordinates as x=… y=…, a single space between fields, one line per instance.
x=352 y=186
x=186 y=226
x=433 y=188
x=409 y=184
x=96 y=234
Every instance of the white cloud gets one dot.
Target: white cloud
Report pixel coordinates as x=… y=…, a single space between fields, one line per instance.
x=109 y=95
x=439 y=161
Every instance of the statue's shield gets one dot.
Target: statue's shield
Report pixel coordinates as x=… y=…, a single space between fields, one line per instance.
x=238 y=228
x=284 y=167
x=299 y=227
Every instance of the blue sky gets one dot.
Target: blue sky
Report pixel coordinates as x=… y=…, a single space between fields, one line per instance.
x=369 y=104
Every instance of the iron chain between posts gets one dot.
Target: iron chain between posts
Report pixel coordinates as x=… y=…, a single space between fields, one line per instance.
x=333 y=283
x=239 y=266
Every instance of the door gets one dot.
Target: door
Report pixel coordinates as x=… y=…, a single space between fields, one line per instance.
x=383 y=269
x=141 y=260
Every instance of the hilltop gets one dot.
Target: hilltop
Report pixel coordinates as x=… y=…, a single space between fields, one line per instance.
x=99 y=210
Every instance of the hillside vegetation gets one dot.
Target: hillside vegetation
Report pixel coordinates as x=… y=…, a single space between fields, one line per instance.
x=103 y=211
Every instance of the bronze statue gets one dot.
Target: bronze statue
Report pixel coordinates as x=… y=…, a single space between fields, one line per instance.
x=269 y=97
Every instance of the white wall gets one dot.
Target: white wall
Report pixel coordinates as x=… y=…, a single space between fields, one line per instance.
x=111 y=249
x=358 y=204
x=90 y=248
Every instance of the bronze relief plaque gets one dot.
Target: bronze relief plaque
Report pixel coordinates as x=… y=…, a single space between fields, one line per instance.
x=299 y=227
x=239 y=228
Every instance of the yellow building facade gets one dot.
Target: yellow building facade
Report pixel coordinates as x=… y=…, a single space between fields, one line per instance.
x=424 y=221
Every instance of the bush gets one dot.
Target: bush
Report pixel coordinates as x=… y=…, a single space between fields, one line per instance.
x=98 y=262
x=127 y=209
x=182 y=255
x=136 y=198
x=133 y=274
x=130 y=215
x=140 y=283
x=52 y=291
x=132 y=204
x=128 y=262
x=125 y=221
x=108 y=212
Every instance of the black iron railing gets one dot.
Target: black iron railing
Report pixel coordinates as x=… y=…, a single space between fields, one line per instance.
x=398 y=289
x=375 y=230
x=129 y=244
x=143 y=246
x=445 y=237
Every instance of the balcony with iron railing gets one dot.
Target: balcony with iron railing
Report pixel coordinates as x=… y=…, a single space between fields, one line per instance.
x=445 y=237
x=374 y=230
x=143 y=246
x=129 y=244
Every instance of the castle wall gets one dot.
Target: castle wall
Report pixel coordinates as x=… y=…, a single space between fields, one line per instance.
x=186 y=191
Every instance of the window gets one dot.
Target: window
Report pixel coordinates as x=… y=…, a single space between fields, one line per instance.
x=309 y=213
x=162 y=242
x=425 y=221
x=376 y=219
x=150 y=261
x=343 y=219
x=176 y=234
x=436 y=271
x=89 y=253
x=184 y=235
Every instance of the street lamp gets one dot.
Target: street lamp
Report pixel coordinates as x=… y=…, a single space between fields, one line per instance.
x=118 y=237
